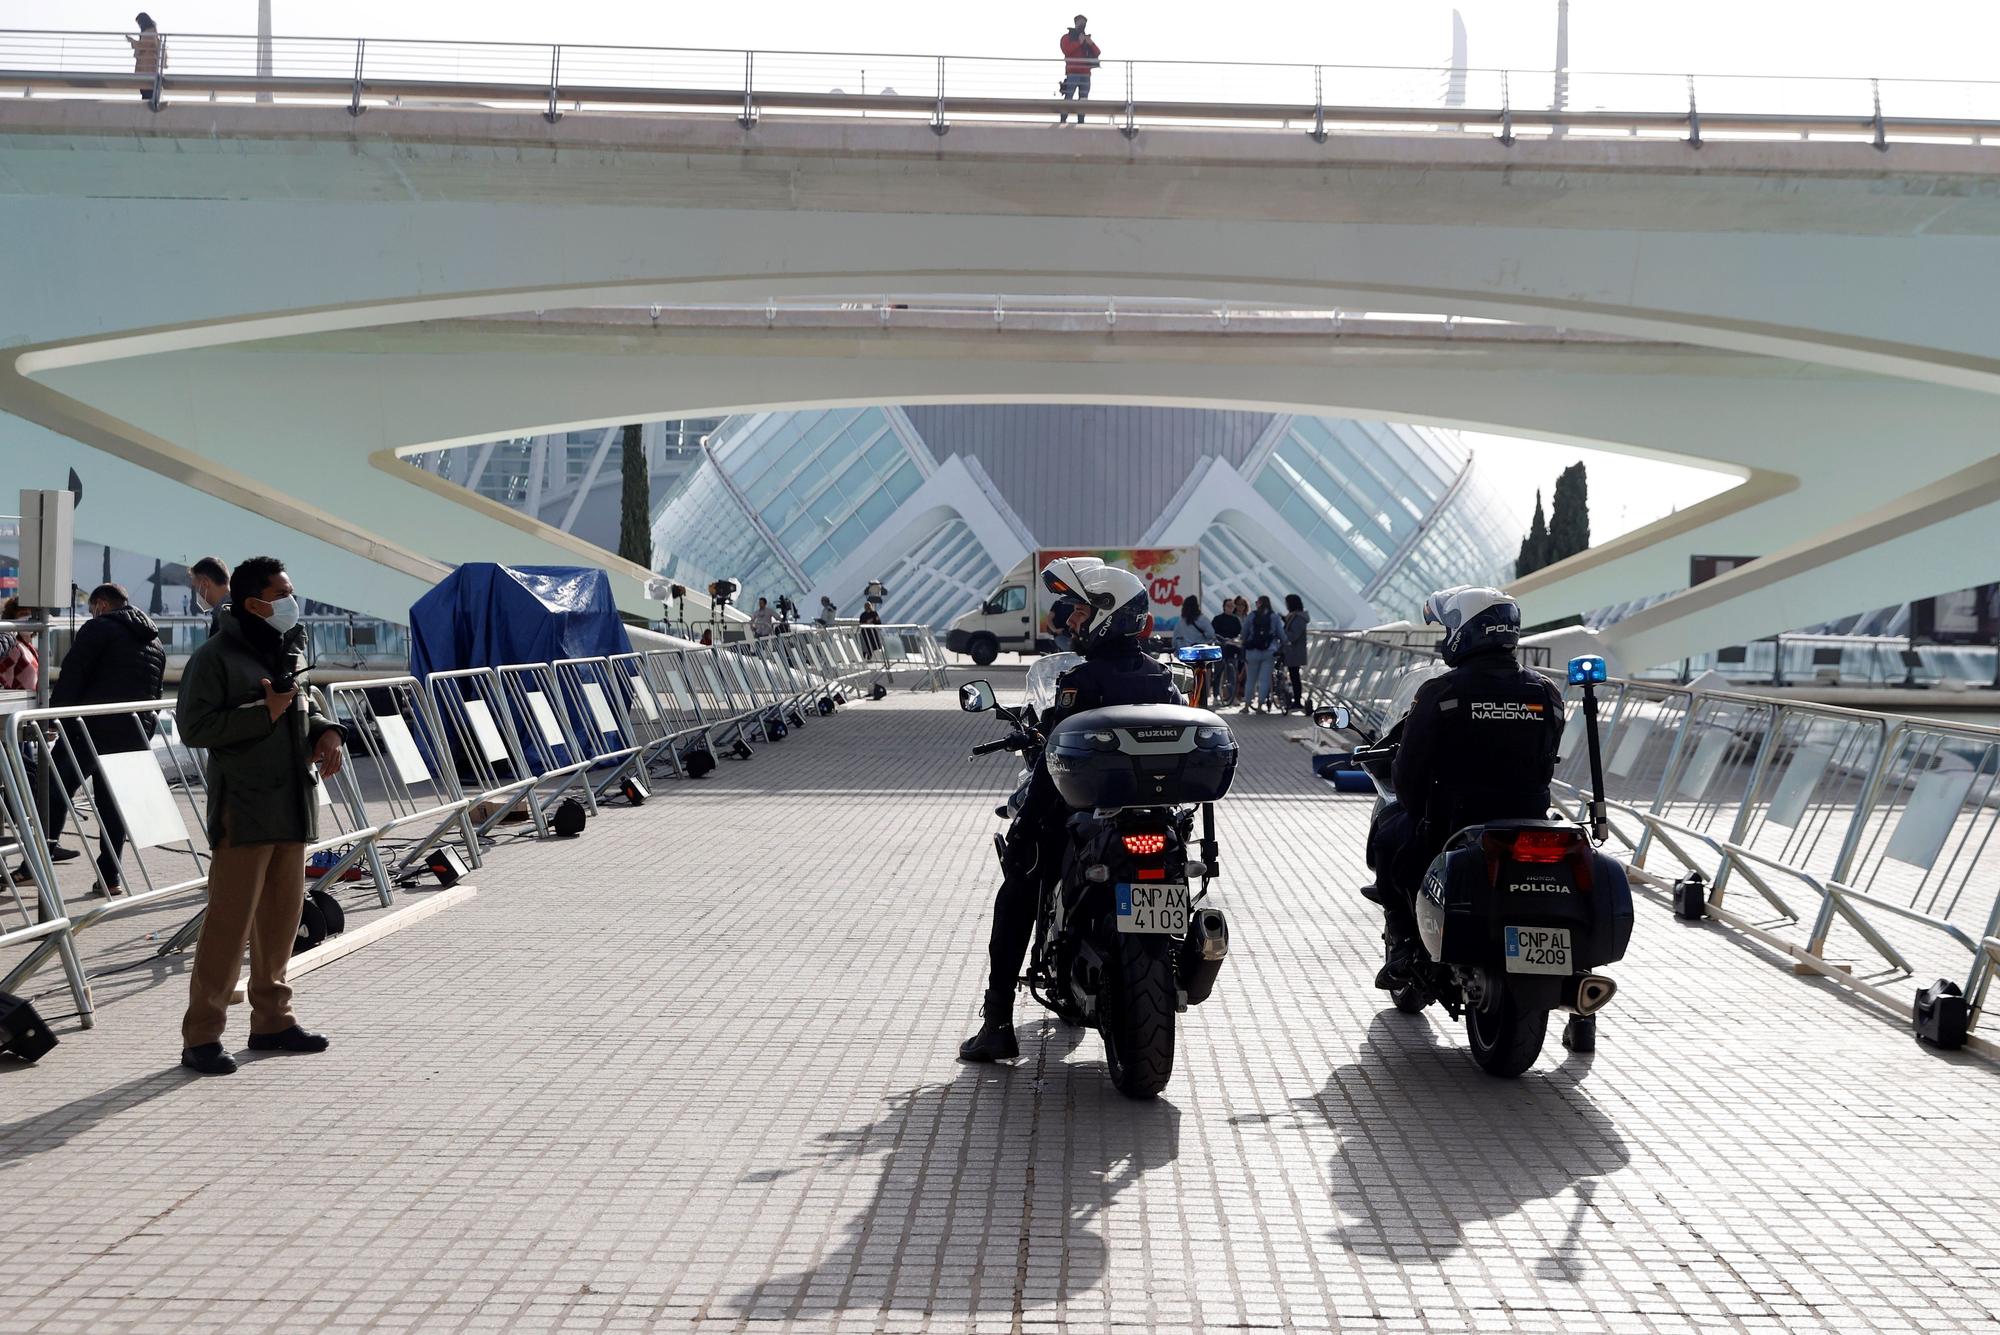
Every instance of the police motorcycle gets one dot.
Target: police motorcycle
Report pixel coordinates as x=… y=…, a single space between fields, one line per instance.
x=1123 y=939
x=1514 y=916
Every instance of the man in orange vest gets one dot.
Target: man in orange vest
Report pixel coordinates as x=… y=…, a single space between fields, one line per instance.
x=1079 y=59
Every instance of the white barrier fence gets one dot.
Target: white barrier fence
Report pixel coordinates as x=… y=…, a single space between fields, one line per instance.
x=1863 y=846
x=433 y=762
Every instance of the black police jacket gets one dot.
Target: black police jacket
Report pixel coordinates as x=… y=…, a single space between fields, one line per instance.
x=1480 y=744
x=1112 y=673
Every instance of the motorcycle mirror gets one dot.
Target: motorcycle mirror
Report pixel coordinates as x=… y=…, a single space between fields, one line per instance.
x=1338 y=718
x=976 y=697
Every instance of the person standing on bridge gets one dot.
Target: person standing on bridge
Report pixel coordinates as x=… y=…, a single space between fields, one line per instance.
x=149 y=56
x=1080 y=58
x=763 y=621
x=241 y=698
x=210 y=580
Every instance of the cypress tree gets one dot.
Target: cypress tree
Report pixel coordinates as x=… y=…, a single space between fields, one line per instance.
x=157 y=604
x=1535 y=547
x=635 y=508
x=1569 y=519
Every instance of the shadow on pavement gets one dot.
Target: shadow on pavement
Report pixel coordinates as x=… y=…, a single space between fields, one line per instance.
x=988 y=1191
x=58 y=1126
x=1430 y=1144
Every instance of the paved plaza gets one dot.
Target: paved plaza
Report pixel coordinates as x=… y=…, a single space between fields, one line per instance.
x=696 y=1071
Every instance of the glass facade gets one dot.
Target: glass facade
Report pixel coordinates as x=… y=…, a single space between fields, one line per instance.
x=939 y=577
x=782 y=500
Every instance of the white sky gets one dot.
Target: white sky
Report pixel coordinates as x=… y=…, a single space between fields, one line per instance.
x=1938 y=39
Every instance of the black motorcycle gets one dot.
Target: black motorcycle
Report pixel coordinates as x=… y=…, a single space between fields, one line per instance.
x=1121 y=943
x=1514 y=916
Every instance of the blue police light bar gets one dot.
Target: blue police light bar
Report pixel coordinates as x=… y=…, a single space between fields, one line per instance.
x=1199 y=653
x=1586 y=668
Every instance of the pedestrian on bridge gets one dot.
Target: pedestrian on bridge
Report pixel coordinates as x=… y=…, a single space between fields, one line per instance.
x=1080 y=58
x=269 y=747
x=149 y=56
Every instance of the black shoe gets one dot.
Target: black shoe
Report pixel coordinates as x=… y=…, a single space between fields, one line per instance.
x=107 y=869
x=1395 y=971
x=208 y=1059
x=993 y=1043
x=57 y=853
x=293 y=1039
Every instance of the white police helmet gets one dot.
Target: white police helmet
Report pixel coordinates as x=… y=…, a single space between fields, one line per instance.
x=1475 y=620
x=1115 y=596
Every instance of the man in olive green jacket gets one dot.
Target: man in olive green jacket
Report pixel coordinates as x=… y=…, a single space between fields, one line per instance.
x=239 y=699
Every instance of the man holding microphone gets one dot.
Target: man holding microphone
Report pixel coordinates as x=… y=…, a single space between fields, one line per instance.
x=269 y=748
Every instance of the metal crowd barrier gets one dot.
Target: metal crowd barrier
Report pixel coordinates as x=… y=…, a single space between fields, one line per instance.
x=1864 y=846
x=442 y=760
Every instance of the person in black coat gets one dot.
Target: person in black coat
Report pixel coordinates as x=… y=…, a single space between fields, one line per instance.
x=115 y=658
x=1479 y=743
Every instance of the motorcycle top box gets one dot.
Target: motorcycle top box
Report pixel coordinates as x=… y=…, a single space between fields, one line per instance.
x=1141 y=755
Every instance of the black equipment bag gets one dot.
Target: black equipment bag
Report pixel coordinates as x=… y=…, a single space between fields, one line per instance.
x=697 y=761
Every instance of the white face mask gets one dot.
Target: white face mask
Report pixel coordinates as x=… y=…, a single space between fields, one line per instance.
x=284 y=613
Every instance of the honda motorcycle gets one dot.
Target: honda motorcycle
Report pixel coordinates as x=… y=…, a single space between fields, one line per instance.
x=1514 y=916
x=1124 y=941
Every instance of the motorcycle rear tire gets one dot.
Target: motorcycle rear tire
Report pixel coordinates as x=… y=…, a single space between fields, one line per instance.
x=1505 y=1037
x=1138 y=1023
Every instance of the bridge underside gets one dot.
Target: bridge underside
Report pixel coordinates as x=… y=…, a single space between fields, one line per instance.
x=1844 y=297
x=691 y=1089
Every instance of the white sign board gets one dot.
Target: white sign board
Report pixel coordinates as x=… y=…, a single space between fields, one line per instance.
x=600 y=708
x=1631 y=741
x=485 y=730
x=409 y=761
x=1707 y=759
x=545 y=719
x=643 y=693
x=1927 y=820
x=144 y=801
x=1802 y=776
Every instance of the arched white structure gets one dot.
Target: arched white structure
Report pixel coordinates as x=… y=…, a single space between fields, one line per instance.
x=181 y=258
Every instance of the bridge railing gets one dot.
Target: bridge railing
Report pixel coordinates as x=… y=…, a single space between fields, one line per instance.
x=443 y=759
x=1315 y=98
x=1864 y=846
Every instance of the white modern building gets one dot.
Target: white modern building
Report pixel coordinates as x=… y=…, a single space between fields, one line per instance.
x=1359 y=518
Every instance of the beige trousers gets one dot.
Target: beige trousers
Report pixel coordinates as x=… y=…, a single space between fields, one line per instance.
x=255 y=895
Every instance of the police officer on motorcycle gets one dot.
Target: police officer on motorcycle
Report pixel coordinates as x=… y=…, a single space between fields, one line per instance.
x=1110 y=617
x=1478 y=744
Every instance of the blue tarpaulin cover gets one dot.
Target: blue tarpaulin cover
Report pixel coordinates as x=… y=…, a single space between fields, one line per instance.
x=484 y=615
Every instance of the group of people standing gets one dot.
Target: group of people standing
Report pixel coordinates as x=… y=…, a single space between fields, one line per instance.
x=1263 y=650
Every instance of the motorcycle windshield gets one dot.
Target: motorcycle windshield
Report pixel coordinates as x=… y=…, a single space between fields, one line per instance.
x=1042 y=679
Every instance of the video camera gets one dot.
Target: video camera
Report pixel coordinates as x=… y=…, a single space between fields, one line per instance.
x=875 y=592
x=788 y=611
x=720 y=591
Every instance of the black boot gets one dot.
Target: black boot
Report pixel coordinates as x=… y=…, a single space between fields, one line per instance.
x=208 y=1059
x=1395 y=970
x=995 y=1040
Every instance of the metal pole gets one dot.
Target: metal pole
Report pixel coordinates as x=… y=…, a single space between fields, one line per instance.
x=749 y=116
x=938 y=126
x=1881 y=130
x=1694 y=117
x=1318 y=131
x=360 y=46
x=264 y=48
x=555 y=72
x=1130 y=129
x=1562 y=66
x=1506 y=109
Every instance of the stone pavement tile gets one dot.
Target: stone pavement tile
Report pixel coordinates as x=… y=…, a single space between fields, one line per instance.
x=694 y=1071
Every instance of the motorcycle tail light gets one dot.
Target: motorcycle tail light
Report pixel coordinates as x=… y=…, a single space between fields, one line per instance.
x=1145 y=845
x=1543 y=845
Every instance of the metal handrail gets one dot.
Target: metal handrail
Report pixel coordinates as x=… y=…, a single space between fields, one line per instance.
x=363 y=73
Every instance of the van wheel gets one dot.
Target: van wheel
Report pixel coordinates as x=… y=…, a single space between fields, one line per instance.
x=1505 y=1038
x=983 y=650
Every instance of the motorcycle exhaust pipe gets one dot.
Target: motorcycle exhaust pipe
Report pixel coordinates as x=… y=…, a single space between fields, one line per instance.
x=1587 y=993
x=1207 y=945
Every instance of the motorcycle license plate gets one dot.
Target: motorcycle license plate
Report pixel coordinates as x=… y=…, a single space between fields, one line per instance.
x=1538 y=950
x=1156 y=909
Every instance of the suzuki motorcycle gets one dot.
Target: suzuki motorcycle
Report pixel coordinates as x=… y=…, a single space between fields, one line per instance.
x=1123 y=942
x=1514 y=916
